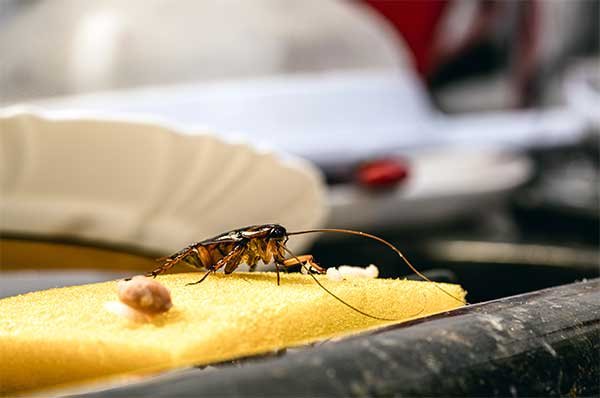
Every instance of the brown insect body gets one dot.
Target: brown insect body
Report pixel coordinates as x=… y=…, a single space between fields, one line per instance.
x=247 y=245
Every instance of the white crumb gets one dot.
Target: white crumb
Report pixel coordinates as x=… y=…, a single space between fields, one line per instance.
x=126 y=312
x=349 y=272
x=334 y=275
x=372 y=271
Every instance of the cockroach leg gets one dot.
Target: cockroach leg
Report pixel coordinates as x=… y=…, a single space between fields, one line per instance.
x=233 y=257
x=277 y=270
x=201 y=279
x=304 y=259
x=161 y=269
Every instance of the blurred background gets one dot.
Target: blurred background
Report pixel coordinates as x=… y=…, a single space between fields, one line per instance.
x=466 y=132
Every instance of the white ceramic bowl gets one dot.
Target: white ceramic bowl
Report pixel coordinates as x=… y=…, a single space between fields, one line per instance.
x=141 y=184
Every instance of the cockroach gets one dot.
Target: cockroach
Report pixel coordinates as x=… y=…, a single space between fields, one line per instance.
x=266 y=243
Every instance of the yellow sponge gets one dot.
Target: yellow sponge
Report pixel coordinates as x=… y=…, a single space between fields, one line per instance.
x=66 y=335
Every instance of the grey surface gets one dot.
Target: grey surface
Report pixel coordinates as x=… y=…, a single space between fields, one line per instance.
x=20 y=282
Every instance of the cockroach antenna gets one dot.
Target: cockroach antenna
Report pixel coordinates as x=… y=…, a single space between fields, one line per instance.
x=308 y=271
x=381 y=240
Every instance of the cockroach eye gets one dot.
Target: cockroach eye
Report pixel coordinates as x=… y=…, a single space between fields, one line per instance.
x=278 y=232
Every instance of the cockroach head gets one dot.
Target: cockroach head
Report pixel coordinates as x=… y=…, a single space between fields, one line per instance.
x=277 y=232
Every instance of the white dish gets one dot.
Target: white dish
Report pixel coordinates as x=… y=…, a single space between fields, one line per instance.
x=332 y=118
x=324 y=117
x=142 y=184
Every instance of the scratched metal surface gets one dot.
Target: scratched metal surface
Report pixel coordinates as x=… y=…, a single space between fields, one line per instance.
x=541 y=343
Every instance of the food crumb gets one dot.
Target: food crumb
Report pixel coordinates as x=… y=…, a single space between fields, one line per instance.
x=140 y=298
x=125 y=311
x=334 y=274
x=349 y=272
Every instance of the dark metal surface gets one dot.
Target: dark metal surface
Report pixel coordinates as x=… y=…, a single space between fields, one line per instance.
x=544 y=343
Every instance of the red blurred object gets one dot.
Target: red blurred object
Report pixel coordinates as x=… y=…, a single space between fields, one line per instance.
x=417 y=21
x=384 y=173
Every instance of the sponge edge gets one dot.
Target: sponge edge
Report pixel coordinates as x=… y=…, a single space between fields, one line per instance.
x=66 y=335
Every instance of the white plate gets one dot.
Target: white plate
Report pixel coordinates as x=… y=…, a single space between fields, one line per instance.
x=323 y=117
x=143 y=184
x=332 y=118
